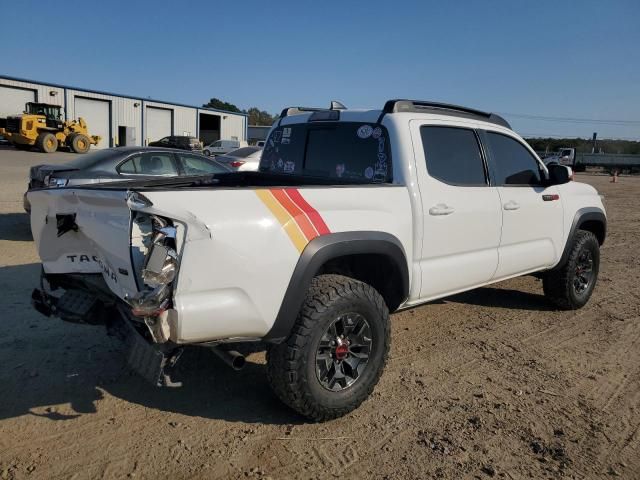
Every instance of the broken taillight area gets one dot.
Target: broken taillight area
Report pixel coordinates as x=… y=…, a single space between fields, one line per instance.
x=158 y=271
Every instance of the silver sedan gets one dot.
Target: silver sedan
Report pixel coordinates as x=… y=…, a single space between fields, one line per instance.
x=245 y=159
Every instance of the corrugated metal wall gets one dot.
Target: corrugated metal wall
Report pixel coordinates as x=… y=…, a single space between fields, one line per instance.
x=43 y=92
x=128 y=111
x=233 y=127
x=123 y=112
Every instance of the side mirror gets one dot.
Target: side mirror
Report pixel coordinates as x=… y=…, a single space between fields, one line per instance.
x=559 y=174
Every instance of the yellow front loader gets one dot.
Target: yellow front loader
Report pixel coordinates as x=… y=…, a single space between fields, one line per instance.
x=41 y=125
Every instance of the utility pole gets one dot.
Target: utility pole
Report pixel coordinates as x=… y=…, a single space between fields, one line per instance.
x=595 y=143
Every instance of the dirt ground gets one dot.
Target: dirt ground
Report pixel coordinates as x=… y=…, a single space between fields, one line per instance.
x=491 y=383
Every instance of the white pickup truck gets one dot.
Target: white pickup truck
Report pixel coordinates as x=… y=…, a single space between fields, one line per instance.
x=353 y=214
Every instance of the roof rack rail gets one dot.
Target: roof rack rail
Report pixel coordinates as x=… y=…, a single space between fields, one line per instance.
x=335 y=105
x=402 y=105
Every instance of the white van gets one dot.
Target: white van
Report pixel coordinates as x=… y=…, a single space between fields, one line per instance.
x=220 y=147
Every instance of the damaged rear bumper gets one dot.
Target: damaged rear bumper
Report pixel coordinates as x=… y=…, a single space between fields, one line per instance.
x=154 y=362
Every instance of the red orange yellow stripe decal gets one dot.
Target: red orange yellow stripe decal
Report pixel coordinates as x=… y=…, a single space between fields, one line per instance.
x=300 y=221
x=311 y=212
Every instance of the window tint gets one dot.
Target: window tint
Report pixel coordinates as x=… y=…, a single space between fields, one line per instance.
x=243 y=152
x=453 y=155
x=149 y=164
x=194 y=165
x=341 y=150
x=513 y=163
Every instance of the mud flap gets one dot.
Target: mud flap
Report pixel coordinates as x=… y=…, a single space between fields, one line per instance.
x=147 y=360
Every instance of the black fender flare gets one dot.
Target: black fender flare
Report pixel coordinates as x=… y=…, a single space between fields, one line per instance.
x=319 y=251
x=582 y=215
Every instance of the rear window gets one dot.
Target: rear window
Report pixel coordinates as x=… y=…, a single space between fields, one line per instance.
x=243 y=152
x=90 y=159
x=353 y=151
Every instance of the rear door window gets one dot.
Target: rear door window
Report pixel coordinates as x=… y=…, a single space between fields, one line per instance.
x=512 y=163
x=152 y=163
x=195 y=165
x=453 y=155
x=346 y=151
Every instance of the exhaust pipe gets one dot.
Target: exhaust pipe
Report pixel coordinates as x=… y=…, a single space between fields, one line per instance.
x=232 y=358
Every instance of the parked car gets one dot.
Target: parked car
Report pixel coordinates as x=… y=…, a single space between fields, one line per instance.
x=353 y=215
x=220 y=147
x=564 y=156
x=122 y=163
x=245 y=159
x=179 y=142
x=260 y=143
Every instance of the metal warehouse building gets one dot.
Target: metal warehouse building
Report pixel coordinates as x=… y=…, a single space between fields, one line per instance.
x=123 y=119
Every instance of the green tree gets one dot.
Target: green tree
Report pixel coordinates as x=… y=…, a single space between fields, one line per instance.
x=259 y=117
x=220 y=105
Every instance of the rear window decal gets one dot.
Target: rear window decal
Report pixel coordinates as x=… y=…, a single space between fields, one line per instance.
x=368 y=173
x=365 y=131
x=289 y=167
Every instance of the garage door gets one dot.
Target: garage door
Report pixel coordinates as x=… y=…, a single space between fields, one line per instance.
x=158 y=123
x=12 y=100
x=97 y=115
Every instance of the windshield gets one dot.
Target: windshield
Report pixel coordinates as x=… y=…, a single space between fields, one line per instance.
x=341 y=150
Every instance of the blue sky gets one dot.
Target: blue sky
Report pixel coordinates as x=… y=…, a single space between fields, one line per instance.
x=545 y=58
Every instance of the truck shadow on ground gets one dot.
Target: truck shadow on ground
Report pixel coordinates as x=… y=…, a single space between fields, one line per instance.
x=15 y=227
x=61 y=371
x=503 y=298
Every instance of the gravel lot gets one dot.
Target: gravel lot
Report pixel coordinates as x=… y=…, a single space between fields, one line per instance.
x=490 y=383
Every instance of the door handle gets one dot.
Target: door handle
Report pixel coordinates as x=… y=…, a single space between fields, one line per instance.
x=441 y=209
x=511 y=205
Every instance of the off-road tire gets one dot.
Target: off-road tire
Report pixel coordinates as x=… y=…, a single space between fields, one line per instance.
x=47 y=142
x=558 y=284
x=291 y=365
x=79 y=143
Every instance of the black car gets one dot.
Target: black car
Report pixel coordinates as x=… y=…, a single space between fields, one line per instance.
x=122 y=163
x=177 y=141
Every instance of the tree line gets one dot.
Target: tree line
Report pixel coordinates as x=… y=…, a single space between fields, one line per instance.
x=256 y=116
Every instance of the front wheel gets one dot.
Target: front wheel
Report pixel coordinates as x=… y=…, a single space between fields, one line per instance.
x=47 y=142
x=79 y=143
x=207 y=153
x=570 y=286
x=336 y=352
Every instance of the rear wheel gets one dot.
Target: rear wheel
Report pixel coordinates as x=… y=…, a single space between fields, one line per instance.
x=79 y=143
x=47 y=142
x=571 y=285
x=336 y=352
